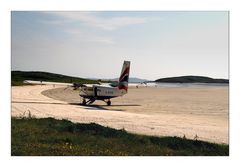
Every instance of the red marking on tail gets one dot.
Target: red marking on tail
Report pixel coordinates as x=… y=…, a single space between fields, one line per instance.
x=122 y=87
x=124 y=73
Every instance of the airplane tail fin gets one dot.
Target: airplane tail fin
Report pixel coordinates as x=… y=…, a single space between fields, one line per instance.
x=123 y=80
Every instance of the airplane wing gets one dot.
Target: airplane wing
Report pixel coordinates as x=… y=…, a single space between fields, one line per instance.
x=110 y=84
x=74 y=85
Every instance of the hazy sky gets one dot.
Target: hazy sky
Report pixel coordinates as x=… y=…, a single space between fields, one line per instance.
x=95 y=44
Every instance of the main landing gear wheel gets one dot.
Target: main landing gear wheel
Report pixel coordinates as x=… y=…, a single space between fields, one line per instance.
x=108 y=102
x=84 y=102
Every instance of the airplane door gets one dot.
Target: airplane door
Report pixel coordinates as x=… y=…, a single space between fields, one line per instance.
x=95 y=91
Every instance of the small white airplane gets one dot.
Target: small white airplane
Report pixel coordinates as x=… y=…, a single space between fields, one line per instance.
x=107 y=91
x=93 y=92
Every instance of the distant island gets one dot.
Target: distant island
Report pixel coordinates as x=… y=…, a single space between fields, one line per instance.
x=132 y=80
x=191 y=79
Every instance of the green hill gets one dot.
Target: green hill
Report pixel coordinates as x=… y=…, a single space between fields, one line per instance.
x=17 y=77
x=192 y=79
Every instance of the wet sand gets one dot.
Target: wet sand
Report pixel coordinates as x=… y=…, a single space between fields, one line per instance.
x=191 y=111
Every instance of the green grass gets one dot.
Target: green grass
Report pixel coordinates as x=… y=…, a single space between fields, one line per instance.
x=17 y=78
x=48 y=136
x=192 y=79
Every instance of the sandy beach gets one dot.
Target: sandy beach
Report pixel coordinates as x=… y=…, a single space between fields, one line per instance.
x=185 y=111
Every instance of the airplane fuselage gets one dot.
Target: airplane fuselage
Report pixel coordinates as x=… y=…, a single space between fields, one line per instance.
x=101 y=92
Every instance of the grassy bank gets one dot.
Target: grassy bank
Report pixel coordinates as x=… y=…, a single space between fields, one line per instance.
x=49 y=136
x=17 y=78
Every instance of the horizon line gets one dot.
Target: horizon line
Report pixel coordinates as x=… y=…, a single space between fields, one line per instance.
x=94 y=78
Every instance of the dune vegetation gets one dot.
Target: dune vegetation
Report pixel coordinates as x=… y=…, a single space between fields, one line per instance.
x=51 y=137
